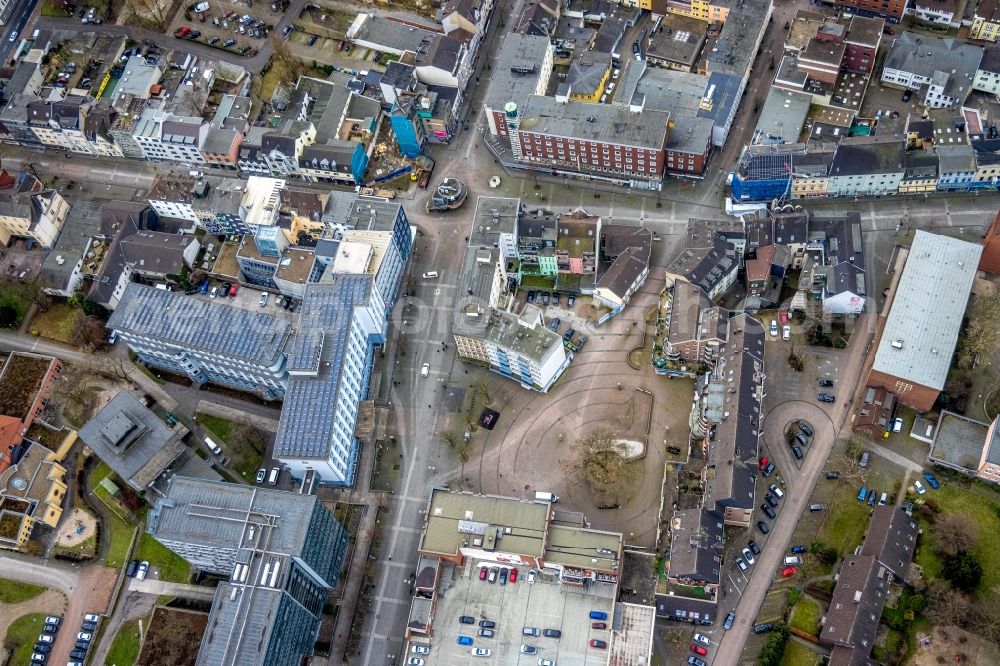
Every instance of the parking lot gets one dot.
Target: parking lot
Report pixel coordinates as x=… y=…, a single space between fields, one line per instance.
x=544 y=604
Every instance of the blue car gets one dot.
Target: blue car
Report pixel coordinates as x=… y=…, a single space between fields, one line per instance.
x=728 y=624
x=598 y=615
x=862 y=494
x=931 y=481
x=204 y=288
x=798 y=549
x=464 y=640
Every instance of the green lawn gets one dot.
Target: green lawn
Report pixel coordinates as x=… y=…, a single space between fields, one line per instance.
x=57 y=323
x=15 y=592
x=21 y=637
x=172 y=567
x=805 y=616
x=125 y=648
x=846 y=521
x=121 y=530
x=217 y=425
x=797 y=654
x=982 y=508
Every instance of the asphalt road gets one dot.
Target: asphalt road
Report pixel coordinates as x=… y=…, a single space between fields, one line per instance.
x=51 y=574
x=19 y=14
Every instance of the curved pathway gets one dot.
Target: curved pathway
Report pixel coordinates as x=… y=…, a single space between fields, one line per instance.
x=49 y=601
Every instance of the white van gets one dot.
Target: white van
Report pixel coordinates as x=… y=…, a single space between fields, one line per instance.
x=546 y=497
x=777 y=491
x=430 y=275
x=212 y=446
x=273 y=479
x=425 y=369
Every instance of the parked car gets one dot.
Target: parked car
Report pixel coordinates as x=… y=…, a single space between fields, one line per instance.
x=789 y=571
x=806 y=429
x=420 y=649
x=229 y=42
x=800 y=438
x=826 y=397
x=833 y=475
x=554 y=324
x=863 y=494
x=778 y=492
x=770 y=499
x=931 y=481
x=132 y=568
x=570 y=300
x=872 y=497
x=531 y=297
x=53 y=619
x=545 y=298
x=531 y=575
x=769 y=470
x=598 y=643
x=920 y=487
x=702 y=638
x=598 y=615
x=728 y=624
x=466 y=619
x=503 y=576
x=529 y=649
x=531 y=631
x=85 y=636
x=747 y=555
x=762 y=526
x=598 y=625
x=797 y=452
x=762 y=628
x=754 y=548
x=906 y=95
x=482 y=652
x=799 y=549
x=768 y=511
x=513 y=575
x=763 y=462
x=741 y=564
x=699 y=649
x=774 y=328
x=487 y=624
x=141 y=573
x=414 y=661
x=786 y=333
x=826 y=382
x=464 y=640
x=486 y=633
x=551 y=633
x=44 y=648
x=261 y=474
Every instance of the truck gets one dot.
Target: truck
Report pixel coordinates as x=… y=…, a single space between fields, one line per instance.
x=546 y=497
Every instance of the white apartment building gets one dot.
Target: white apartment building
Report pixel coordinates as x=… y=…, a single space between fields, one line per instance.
x=165 y=137
x=261 y=201
x=29 y=210
x=519 y=347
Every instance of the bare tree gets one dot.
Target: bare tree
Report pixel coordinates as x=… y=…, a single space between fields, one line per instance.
x=88 y=332
x=946 y=605
x=955 y=533
x=153 y=12
x=599 y=458
x=246 y=436
x=986 y=615
x=980 y=334
x=116 y=367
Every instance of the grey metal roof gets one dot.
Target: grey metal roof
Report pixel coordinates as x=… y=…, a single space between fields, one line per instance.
x=863 y=155
x=891 y=538
x=82 y=221
x=239 y=626
x=393 y=36
x=927 y=310
x=954 y=62
x=782 y=117
x=155 y=251
x=696 y=545
x=516 y=72
x=525 y=333
x=587 y=72
x=956 y=158
x=216 y=514
x=604 y=123
x=208 y=325
x=324 y=327
x=134 y=442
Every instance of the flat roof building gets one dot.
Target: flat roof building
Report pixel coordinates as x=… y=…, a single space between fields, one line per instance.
x=921 y=331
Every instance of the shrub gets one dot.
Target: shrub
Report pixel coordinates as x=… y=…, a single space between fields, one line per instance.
x=963 y=571
x=774 y=649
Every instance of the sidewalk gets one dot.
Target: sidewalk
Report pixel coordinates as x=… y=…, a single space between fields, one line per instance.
x=352 y=587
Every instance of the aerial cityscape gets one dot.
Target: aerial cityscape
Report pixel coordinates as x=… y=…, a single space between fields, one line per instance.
x=500 y=332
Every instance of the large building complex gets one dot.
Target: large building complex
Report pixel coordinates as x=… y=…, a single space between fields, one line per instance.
x=280 y=554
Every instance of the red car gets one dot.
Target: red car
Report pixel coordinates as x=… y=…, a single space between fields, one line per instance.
x=482 y=573
x=513 y=575
x=789 y=571
x=763 y=462
x=697 y=649
x=599 y=644
x=232 y=290
x=598 y=625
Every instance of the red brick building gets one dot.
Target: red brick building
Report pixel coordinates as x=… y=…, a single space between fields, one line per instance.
x=891 y=9
x=990 y=259
x=863 y=38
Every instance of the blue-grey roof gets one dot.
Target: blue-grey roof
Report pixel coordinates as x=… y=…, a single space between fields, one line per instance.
x=201 y=324
x=310 y=401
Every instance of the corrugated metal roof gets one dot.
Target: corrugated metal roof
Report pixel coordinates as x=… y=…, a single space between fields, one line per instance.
x=922 y=328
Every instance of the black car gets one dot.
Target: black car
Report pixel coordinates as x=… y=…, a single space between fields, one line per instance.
x=89 y=626
x=195 y=34
x=762 y=628
x=568 y=335
x=768 y=511
x=570 y=300
x=762 y=526
x=551 y=633
x=806 y=429
x=531 y=297
x=44 y=648
x=229 y=42
x=825 y=397
x=133 y=566
x=214 y=40
x=906 y=96
x=769 y=470
x=466 y=619
x=312 y=40
x=800 y=439
x=555 y=297
x=51 y=628
x=635 y=48
x=872 y=496
x=82 y=645
x=487 y=624
x=79 y=655
x=826 y=382
x=754 y=548
x=503 y=576
x=770 y=499
x=797 y=452
x=695 y=661
x=193 y=290
x=833 y=475
x=545 y=298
